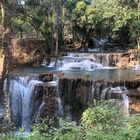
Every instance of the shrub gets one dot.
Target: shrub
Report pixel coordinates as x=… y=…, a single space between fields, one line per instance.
x=105 y=115
x=103 y=121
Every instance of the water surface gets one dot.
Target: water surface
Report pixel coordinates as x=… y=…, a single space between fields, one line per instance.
x=108 y=74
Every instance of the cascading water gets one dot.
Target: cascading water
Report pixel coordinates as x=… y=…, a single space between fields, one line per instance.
x=58 y=102
x=82 y=65
x=91 y=61
x=71 y=96
x=21 y=95
x=75 y=61
x=126 y=105
x=117 y=93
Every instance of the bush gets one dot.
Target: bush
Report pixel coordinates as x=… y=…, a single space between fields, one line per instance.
x=106 y=115
x=104 y=121
x=66 y=131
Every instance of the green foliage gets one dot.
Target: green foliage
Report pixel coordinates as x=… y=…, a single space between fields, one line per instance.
x=80 y=9
x=11 y=136
x=34 y=19
x=81 y=20
x=41 y=131
x=133 y=128
x=137 y=49
x=101 y=122
x=106 y=115
x=66 y=131
x=119 y=19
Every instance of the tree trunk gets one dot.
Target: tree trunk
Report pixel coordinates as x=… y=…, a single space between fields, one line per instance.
x=6 y=43
x=57 y=24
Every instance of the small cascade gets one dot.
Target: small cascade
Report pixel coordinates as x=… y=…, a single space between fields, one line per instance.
x=103 y=58
x=82 y=65
x=44 y=63
x=74 y=61
x=126 y=105
x=107 y=60
x=91 y=61
x=22 y=101
x=136 y=67
x=58 y=102
x=117 y=93
x=40 y=109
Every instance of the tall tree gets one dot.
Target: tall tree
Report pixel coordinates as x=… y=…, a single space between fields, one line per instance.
x=57 y=5
x=6 y=44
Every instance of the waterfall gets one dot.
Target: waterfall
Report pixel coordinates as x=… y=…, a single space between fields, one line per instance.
x=72 y=97
x=82 y=65
x=22 y=103
x=126 y=105
x=76 y=61
x=44 y=63
x=61 y=97
x=58 y=102
x=107 y=60
x=104 y=93
x=22 y=97
x=82 y=61
x=117 y=93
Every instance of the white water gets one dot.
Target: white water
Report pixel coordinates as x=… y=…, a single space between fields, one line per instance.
x=59 y=111
x=74 y=61
x=83 y=65
x=81 y=61
x=22 y=100
x=21 y=94
x=22 y=88
x=136 y=67
x=120 y=94
x=126 y=105
x=125 y=99
x=90 y=61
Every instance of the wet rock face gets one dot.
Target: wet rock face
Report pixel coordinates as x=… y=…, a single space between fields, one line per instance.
x=45 y=97
x=77 y=94
x=46 y=106
x=46 y=77
x=50 y=92
x=134 y=84
x=121 y=60
x=38 y=98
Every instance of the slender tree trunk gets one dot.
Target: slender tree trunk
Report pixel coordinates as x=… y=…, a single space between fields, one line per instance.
x=83 y=36
x=6 y=44
x=57 y=24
